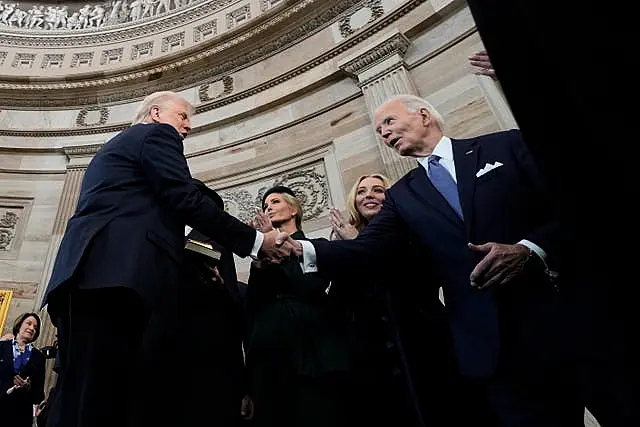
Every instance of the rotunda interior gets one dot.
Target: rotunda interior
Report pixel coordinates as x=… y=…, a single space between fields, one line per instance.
x=283 y=90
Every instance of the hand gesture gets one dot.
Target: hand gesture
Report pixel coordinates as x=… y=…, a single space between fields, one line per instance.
x=342 y=230
x=261 y=222
x=276 y=246
x=20 y=383
x=500 y=264
x=480 y=60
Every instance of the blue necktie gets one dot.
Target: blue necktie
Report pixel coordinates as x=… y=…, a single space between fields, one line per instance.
x=444 y=183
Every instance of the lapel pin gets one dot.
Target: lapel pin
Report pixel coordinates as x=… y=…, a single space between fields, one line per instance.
x=468 y=152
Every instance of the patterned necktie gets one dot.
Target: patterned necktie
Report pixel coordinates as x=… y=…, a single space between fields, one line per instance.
x=444 y=183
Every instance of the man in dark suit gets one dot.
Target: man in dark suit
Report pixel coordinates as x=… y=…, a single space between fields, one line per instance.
x=203 y=310
x=121 y=252
x=479 y=211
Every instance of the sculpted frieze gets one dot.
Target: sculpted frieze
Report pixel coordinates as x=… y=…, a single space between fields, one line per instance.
x=55 y=17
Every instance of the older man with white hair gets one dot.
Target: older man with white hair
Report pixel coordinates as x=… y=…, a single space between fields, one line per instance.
x=121 y=254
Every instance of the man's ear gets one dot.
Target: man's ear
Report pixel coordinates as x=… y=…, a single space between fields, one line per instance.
x=426 y=115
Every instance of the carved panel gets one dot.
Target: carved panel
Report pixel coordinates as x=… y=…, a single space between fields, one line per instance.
x=172 y=42
x=216 y=89
x=208 y=29
x=142 y=50
x=111 y=56
x=3 y=56
x=371 y=10
x=238 y=16
x=96 y=115
x=52 y=60
x=268 y=4
x=309 y=184
x=14 y=214
x=23 y=60
x=82 y=59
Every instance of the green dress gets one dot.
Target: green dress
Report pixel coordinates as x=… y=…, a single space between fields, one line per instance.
x=296 y=353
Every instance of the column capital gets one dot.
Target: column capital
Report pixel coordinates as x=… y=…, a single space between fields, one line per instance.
x=79 y=156
x=377 y=58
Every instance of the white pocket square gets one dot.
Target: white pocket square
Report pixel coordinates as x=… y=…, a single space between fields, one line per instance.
x=487 y=168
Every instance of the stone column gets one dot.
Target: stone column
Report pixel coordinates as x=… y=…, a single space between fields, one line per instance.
x=78 y=159
x=381 y=73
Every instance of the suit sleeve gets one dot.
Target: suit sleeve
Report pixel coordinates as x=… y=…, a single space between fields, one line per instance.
x=166 y=168
x=372 y=249
x=36 y=392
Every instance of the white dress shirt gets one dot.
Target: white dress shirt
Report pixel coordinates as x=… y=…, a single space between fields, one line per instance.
x=444 y=150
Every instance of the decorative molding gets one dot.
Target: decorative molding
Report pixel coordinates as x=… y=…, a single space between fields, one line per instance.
x=396 y=44
x=238 y=16
x=89 y=17
x=52 y=60
x=3 y=56
x=172 y=42
x=81 y=119
x=205 y=30
x=110 y=56
x=81 y=150
x=308 y=183
x=377 y=10
x=227 y=88
x=82 y=59
x=205 y=73
x=23 y=60
x=14 y=214
x=141 y=50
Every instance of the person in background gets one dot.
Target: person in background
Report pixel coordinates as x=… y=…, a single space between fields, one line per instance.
x=296 y=355
x=22 y=369
x=402 y=362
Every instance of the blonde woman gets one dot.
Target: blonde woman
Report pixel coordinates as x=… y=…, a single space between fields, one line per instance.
x=390 y=321
x=296 y=356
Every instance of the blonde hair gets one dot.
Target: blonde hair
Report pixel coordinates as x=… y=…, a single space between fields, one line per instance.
x=157 y=99
x=414 y=103
x=355 y=218
x=293 y=202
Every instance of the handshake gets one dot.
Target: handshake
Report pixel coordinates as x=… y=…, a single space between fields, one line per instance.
x=277 y=245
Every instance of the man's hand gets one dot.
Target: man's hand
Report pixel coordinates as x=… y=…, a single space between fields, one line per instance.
x=246 y=410
x=215 y=275
x=480 y=60
x=20 y=383
x=500 y=264
x=276 y=246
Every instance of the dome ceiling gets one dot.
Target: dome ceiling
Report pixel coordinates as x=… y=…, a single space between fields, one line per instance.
x=176 y=49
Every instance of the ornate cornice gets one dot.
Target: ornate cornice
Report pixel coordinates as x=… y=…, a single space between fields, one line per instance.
x=81 y=150
x=395 y=44
x=15 y=37
x=210 y=73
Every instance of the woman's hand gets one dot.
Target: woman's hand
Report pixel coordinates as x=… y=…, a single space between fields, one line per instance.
x=261 y=222
x=342 y=230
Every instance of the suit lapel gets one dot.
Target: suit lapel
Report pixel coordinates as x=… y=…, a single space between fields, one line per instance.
x=465 y=157
x=425 y=191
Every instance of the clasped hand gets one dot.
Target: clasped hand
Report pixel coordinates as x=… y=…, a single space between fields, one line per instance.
x=277 y=245
x=501 y=263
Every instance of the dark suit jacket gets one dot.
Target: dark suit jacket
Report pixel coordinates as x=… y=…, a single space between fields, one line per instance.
x=16 y=409
x=505 y=205
x=128 y=228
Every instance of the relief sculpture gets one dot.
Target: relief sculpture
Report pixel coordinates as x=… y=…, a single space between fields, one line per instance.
x=56 y=17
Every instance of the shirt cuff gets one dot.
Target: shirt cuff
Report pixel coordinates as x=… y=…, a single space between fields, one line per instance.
x=308 y=263
x=538 y=251
x=257 y=244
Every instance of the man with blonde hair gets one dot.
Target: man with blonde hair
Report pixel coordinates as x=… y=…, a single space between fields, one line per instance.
x=121 y=255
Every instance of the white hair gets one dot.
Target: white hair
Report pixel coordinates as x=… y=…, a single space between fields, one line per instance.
x=156 y=99
x=414 y=103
